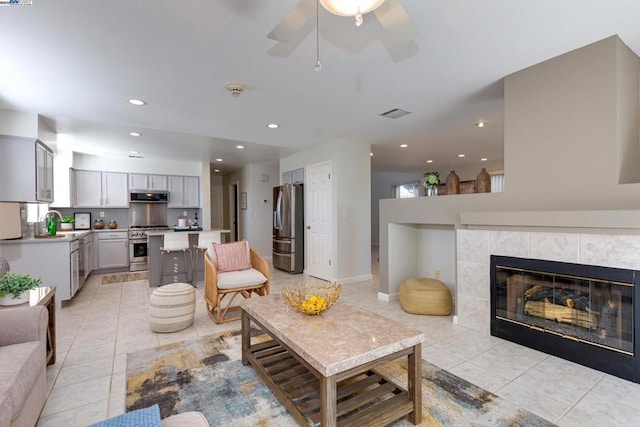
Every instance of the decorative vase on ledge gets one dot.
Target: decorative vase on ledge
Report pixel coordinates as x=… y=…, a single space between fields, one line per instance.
x=453 y=183
x=483 y=182
x=432 y=190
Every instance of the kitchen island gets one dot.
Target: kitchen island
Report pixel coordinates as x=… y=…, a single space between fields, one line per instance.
x=175 y=262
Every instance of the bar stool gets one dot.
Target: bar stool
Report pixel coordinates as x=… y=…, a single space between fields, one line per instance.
x=176 y=242
x=205 y=239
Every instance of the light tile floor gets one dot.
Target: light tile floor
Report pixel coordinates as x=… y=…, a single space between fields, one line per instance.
x=103 y=323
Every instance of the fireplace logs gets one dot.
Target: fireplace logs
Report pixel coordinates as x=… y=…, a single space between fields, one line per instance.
x=561 y=305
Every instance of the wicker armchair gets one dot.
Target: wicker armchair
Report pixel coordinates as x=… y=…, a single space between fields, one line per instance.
x=221 y=289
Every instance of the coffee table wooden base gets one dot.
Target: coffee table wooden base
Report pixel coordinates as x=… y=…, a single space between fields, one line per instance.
x=358 y=396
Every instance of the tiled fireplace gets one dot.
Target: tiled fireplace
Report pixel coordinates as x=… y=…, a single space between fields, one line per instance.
x=475 y=248
x=579 y=312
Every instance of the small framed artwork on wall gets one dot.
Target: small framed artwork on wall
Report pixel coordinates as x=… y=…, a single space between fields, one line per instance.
x=243 y=200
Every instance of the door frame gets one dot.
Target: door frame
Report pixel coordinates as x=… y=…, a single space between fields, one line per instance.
x=234 y=208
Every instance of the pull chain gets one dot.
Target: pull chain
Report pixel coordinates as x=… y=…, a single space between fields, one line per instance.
x=318 y=64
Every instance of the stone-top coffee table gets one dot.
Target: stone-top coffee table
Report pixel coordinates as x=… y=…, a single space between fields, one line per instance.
x=322 y=367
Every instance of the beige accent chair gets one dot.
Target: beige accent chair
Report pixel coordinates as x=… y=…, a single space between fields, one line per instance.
x=23 y=347
x=221 y=289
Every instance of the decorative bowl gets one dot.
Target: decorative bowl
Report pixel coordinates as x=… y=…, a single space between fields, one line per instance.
x=312 y=299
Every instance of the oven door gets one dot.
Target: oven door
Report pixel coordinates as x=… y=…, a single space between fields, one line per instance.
x=138 y=255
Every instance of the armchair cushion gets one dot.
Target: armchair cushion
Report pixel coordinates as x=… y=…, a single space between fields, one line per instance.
x=240 y=279
x=232 y=256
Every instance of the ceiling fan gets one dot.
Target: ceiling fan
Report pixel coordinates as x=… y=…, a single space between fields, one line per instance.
x=399 y=30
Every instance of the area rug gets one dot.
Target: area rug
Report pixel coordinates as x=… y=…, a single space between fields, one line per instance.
x=124 y=277
x=207 y=375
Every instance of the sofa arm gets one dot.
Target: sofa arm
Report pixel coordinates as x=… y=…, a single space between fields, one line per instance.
x=22 y=324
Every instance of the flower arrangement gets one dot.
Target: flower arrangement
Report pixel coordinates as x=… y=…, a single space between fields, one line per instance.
x=431 y=179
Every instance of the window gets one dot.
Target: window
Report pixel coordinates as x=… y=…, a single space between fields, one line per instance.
x=406 y=191
x=497 y=183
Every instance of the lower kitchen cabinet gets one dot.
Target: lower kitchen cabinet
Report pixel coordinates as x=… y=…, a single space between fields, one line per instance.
x=51 y=261
x=113 y=249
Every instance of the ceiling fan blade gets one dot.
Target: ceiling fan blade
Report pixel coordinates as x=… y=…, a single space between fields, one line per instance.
x=294 y=21
x=396 y=22
x=284 y=49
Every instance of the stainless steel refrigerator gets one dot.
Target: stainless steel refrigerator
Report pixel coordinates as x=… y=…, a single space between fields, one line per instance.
x=288 y=228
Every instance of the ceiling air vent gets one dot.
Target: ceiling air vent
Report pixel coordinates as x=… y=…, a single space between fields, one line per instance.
x=395 y=113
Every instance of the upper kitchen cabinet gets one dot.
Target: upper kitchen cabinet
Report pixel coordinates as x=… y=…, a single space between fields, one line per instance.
x=28 y=165
x=183 y=192
x=147 y=182
x=95 y=189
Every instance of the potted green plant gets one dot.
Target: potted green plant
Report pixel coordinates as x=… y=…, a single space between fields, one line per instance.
x=66 y=223
x=14 y=287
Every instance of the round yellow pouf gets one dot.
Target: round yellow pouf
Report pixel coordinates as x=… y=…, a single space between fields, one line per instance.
x=172 y=307
x=425 y=296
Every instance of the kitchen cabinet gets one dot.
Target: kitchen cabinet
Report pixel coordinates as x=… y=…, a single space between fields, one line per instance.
x=293 y=177
x=147 y=182
x=96 y=262
x=113 y=249
x=93 y=189
x=74 y=263
x=52 y=260
x=32 y=161
x=88 y=256
x=184 y=192
x=44 y=173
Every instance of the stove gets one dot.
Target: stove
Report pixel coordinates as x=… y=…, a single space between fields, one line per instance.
x=139 y=232
x=138 y=248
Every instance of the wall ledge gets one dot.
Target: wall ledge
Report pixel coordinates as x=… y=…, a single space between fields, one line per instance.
x=614 y=219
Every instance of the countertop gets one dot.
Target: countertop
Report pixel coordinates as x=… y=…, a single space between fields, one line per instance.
x=61 y=236
x=198 y=231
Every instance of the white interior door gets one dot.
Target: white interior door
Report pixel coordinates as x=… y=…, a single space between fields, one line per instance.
x=319 y=217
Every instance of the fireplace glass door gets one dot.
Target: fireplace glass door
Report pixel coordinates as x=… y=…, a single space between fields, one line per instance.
x=585 y=309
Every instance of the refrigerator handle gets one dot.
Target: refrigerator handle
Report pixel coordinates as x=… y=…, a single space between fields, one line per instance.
x=277 y=220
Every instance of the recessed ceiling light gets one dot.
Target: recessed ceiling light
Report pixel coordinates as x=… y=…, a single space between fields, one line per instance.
x=370 y=154
x=218 y=160
x=135 y=134
x=480 y=124
x=134 y=152
x=239 y=147
x=429 y=161
x=461 y=155
x=403 y=145
x=273 y=126
x=137 y=102
x=484 y=159
x=216 y=170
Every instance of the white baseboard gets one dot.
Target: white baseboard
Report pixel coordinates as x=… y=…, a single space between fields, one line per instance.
x=387 y=297
x=355 y=279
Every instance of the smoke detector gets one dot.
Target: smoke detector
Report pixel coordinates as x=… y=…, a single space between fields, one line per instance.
x=235 y=88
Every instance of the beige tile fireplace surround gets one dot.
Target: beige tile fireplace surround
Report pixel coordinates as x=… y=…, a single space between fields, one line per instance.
x=474 y=247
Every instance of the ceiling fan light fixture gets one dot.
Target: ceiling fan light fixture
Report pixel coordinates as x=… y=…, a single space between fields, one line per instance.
x=350 y=7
